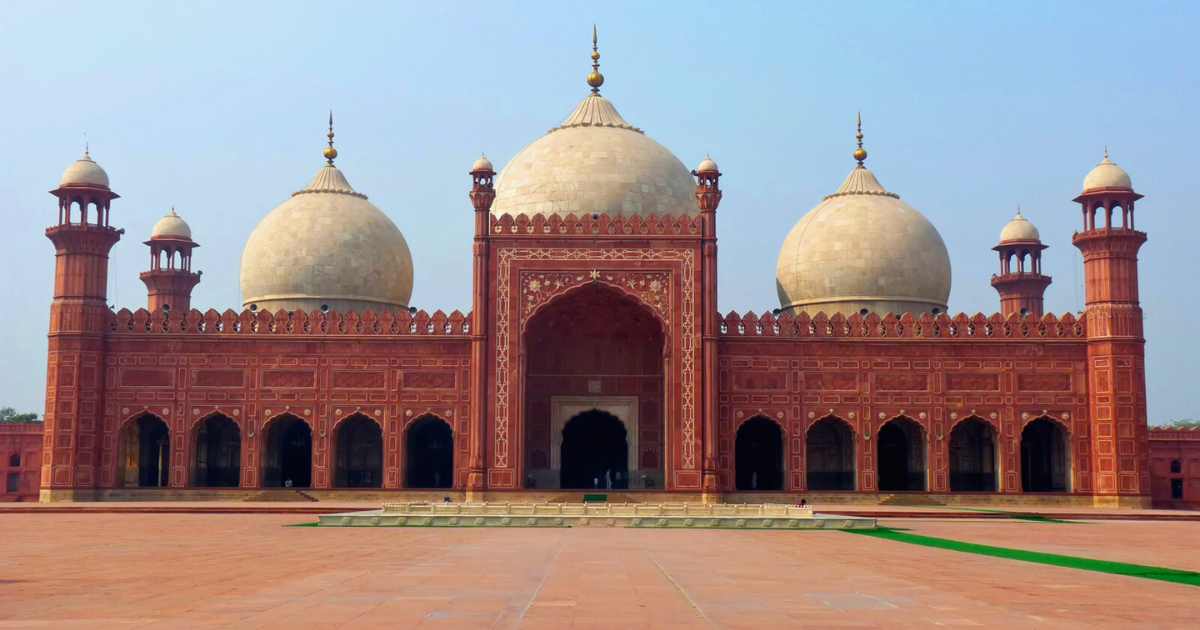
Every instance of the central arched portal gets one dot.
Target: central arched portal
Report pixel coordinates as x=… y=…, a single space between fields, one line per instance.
x=594 y=452
x=594 y=366
x=901 y=455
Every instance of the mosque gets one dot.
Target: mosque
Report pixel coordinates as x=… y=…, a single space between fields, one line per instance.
x=594 y=358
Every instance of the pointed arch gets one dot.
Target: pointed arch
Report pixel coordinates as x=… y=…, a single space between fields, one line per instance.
x=901 y=447
x=287 y=449
x=1045 y=455
x=144 y=452
x=216 y=458
x=357 y=452
x=429 y=453
x=758 y=455
x=829 y=454
x=973 y=455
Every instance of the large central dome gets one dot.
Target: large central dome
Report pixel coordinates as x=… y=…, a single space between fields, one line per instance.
x=863 y=249
x=595 y=162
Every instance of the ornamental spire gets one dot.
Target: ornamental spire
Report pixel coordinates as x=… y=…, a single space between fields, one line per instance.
x=330 y=152
x=595 y=79
x=860 y=153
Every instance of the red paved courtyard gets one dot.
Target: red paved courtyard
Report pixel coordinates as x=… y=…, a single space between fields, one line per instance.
x=250 y=570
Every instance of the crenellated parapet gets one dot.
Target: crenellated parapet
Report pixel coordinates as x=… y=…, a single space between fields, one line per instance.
x=906 y=326
x=292 y=323
x=593 y=225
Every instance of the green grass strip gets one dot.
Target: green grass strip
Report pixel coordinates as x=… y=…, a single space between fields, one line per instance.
x=1190 y=578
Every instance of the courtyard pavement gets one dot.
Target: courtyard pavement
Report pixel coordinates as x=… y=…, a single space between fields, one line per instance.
x=253 y=570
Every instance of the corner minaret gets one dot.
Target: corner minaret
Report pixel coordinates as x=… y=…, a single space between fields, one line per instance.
x=170 y=280
x=1116 y=346
x=83 y=238
x=708 y=197
x=483 y=193
x=1021 y=289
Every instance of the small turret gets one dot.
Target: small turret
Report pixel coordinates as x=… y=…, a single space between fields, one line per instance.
x=170 y=280
x=1021 y=289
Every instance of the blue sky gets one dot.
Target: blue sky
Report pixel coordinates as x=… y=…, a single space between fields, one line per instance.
x=969 y=109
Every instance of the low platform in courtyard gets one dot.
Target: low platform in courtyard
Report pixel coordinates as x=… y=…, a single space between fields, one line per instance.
x=638 y=515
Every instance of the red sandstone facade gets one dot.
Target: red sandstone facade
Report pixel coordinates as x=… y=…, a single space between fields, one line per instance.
x=1175 y=467
x=596 y=314
x=20 y=461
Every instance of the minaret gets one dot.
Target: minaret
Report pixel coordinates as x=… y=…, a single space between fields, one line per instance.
x=483 y=193
x=79 y=313
x=708 y=197
x=170 y=280
x=1021 y=289
x=1116 y=346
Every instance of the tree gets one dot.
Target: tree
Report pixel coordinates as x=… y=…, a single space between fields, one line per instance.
x=1183 y=423
x=8 y=415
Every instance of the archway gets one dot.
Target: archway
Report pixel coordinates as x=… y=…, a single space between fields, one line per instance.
x=594 y=343
x=358 y=453
x=595 y=453
x=901 y=446
x=973 y=457
x=145 y=453
x=1045 y=460
x=218 y=462
x=287 y=458
x=829 y=455
x=758 y=455
x=429 y=454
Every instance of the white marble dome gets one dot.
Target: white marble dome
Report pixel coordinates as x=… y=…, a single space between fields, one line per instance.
x=171 y=226
x=84 y=172
x=1019 y=229
x=595 y=162
x=1107 y=175
x=862 y=248
x=327 y=246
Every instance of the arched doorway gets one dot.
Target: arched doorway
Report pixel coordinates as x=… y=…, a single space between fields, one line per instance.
x=429 y=454
x=901 y=446
x=758 y=455
x=145 y=453
x=287 y=458
x=595 y=453
x=1045 y=460
x=594 y=343
x=973 y=456
x=218 y=461
x=358 y=453
x=829 y=455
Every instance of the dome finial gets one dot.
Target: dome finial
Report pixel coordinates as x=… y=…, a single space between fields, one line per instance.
x=87 y=153
x=595 y=79
x=860 y=153
x=330 y=152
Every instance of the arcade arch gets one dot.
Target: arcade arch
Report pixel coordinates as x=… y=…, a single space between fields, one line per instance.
x=358 y=453
x=901 y=450
x=429 y=454
x=287 y=453
x=1045 y=457
x=758 y=455
x=144 y=453
x=829 y=455
x=973 y=459
x=217 y=458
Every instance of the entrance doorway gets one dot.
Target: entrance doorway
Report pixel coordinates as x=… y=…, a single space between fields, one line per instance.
x=287 y=461
x=1045 y=462
x=901 y=447
x=758 y=455
x=359 y=455
x=145 y=453
x=829 y=454
x=973 y=457
x=594 y=348
x=595 y=453
x=218 y=462
x=429 y=454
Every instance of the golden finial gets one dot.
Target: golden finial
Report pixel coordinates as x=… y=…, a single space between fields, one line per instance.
x=87 y=153
x=860 y=153
x=595 y=79
x=330 y=152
